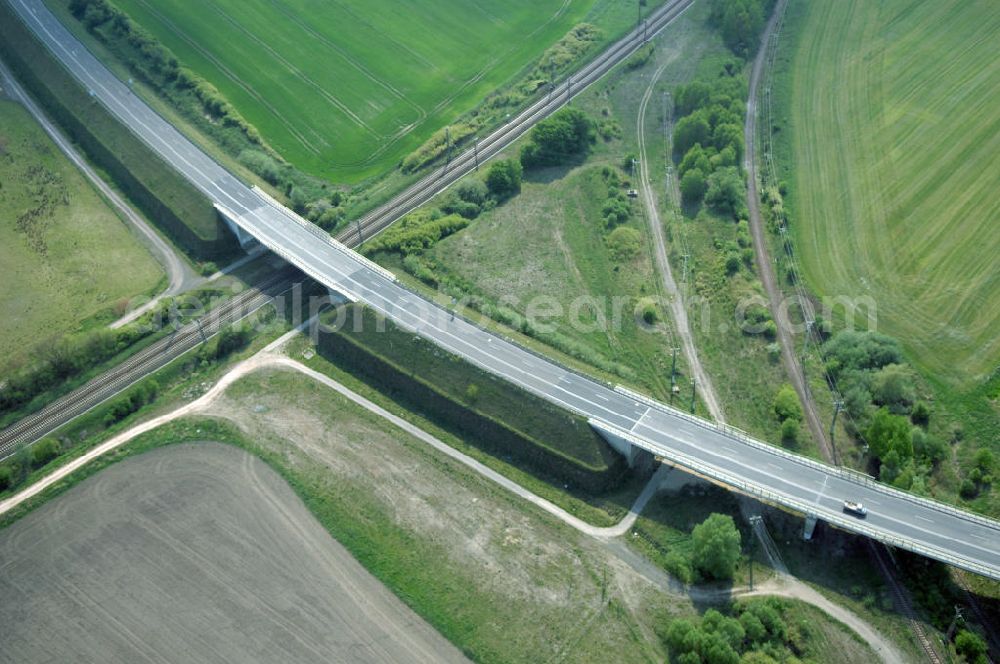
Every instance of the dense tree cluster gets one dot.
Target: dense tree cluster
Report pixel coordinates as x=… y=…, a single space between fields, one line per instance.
x=756 y=631
x=708 y=138
x=880 y=396
x=504 y=178
x=740 y=22
x=564 y=135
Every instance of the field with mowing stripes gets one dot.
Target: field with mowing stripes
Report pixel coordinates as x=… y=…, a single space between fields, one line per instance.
x=346 y=89
x=888 y=115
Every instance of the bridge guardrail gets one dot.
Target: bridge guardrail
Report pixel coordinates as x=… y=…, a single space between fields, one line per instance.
x=847 y=474
x=800 y=506
x=320 y=234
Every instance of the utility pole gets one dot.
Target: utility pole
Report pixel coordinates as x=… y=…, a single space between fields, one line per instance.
x=645 y=30
x=954 y=622
x=754 y=520
x=638 y=14
x=837 y=406
x=361 y=238
x=694 y=388
x=673 y=373
x=447 y=148
x=475 y=148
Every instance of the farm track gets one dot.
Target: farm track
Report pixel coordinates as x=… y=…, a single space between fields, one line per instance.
x=429 y=186
x=101 y=388
x=766 y=268
x=150 y=359
x=677 y=305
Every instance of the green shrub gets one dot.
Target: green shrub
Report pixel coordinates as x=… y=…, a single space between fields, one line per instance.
x=558 y=138
x=504 y=178
x=971 y=646
x=6 y=477
x=716 y=546
x=679 y=567
x=415 y=233
x=693 y=185
x=624 y=244
x=790 y=432
x=45 y=451
x=786 y=404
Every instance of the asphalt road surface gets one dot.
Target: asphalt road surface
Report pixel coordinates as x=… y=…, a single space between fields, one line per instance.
x=195 y=553
x=896 y=518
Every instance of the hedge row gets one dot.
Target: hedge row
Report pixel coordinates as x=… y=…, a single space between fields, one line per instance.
x=169 y=200
x=534 y=433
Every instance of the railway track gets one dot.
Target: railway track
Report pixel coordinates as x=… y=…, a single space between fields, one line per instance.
x=157 y=355
x=135 y=368
x=432 y=184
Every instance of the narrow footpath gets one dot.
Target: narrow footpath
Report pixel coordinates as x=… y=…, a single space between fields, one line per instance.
x=766 y=267
x=180 y=275
x=677 y=306
x=271 y=356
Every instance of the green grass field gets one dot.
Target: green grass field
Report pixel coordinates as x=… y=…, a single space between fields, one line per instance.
x=891 y=110
x=345 y=89
x=66 y=256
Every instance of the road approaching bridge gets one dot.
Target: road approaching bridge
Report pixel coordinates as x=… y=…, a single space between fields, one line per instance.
x=627 y=420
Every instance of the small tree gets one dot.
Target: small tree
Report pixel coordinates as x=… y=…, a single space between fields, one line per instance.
x=786 y=404
x=693 y=185
x=716 y=546
x=890 y=432
x=44 y=451
x=504 y=178
x=725 y=190
x=971 y=646
x=790 y=432
x=6 y=477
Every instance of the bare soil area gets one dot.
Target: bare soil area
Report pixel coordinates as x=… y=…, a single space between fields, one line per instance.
x=194 y=553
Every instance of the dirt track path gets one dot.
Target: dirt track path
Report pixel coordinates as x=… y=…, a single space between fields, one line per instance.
x=271 y=357
x=767 y=276
x=677 y=308
x=179 y=273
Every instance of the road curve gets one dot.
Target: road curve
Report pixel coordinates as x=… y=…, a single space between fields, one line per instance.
x=722 y=453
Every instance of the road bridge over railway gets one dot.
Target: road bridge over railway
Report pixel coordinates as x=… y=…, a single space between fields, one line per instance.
x=627 y=420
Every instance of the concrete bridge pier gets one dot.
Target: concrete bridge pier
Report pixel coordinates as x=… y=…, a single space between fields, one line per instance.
x=248 y=242
x=631 y=453
x=807 y=532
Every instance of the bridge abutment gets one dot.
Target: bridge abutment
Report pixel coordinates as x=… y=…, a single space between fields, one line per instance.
x=247 y=242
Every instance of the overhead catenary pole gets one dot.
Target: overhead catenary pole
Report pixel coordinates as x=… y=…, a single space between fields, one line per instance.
x=673 y=373
x=837 y=406
x=694 y=389
x=475 y=149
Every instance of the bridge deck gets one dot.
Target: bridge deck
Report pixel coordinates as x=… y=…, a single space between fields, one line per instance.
x=933 y=529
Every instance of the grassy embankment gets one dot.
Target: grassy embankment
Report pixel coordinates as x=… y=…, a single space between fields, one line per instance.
x=504 y=422
x=884 y=142
x=69 y=261
x=179 y=210
x=551 y=241
x=181 y=381
x=550 y=589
